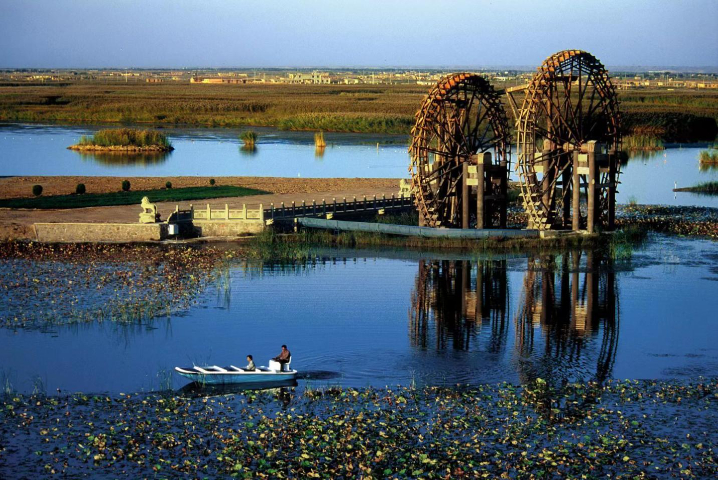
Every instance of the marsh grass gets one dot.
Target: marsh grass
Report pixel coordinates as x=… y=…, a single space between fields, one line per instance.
x=710 y=188
x=127 y=137
x=642 y=142
x=319 y=141
x=249 y=138
x=680 y=116
x=707 y=156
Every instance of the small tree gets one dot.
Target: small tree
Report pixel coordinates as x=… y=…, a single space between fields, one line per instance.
x=168 y=185
x=125 y=185
x=211 y=181
x=37 y=190
x=80 y=188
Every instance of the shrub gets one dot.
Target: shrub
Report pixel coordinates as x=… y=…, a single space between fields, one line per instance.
x=125 y=185
x=211 y=181
x=37 y=190
x=168 y=185
x=80 y=188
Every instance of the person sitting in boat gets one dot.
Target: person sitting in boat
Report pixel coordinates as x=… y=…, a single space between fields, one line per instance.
x=250 y=364
x=283 y=358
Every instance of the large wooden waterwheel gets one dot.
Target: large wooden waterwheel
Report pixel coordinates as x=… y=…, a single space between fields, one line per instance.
x=568 y=132
x=459 y=121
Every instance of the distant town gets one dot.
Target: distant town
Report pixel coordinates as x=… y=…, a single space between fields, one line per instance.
x=501 y=78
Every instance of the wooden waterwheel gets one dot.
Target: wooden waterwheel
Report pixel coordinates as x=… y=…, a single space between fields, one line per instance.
x=568 y=132
x=460 y=120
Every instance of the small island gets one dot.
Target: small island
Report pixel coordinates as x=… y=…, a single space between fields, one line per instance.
x=124 y=140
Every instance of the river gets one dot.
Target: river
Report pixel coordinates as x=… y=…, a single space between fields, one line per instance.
x=41 y=150
x=376 y=318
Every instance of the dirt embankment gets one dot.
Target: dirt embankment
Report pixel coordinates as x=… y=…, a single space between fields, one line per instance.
x=14 y=187
x=18 y=223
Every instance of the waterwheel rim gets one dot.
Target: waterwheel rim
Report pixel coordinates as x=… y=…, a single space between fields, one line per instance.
x=569 y=102
x=462 y=116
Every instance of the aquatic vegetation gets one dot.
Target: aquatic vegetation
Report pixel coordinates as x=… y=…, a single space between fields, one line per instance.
x=126 y=137
x=642 y=142
x=706 y=156
x=709 y=188
x=249 y=137
x=625 y=429
x=319 y=141
x=690 y=221
x=65 y=284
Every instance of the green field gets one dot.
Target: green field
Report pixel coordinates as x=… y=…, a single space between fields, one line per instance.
x=128 y=198
x=672 y=116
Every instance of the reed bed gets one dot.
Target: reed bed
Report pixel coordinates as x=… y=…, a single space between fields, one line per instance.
x=127 y=137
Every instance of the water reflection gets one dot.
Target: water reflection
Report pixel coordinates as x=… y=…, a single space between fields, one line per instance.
x=452 y=299
x=126 y=159
x=565 y=327
x=248 y=150
x=644 y=155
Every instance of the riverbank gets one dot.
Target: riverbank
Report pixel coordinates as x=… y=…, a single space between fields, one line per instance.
x=623 y=429
x=676 y=116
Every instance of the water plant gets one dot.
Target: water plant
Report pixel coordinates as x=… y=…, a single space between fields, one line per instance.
x=538 y=430
x=319 y=141
x=642 y=142
x=249 y=138
x=126 y=137
x=707 y=156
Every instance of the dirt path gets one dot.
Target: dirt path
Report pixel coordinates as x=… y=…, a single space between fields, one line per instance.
x=17 y=223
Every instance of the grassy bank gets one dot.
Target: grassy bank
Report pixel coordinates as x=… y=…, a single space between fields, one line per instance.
x=679 y=116
x=131 y=197
x=624 y=429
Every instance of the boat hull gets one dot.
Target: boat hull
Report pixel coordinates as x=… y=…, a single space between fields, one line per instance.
x=233 y=378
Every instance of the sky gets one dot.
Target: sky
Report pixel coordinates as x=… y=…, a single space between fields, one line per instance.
x=349 y=33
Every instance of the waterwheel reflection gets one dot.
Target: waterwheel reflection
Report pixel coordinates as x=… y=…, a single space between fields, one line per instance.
x=565 y=326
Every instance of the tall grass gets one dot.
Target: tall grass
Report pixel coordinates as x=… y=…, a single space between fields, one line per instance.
x=642 y=142
x=706 y=156
x=249 y=138
x=319 y=141
x=126 y=137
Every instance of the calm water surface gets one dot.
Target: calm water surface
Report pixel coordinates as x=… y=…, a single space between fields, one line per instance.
x=41 y=150
x=377 y=318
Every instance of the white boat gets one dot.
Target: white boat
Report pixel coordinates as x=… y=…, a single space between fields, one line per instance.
x=214 y=375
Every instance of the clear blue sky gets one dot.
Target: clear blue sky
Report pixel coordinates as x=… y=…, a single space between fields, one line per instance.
x=432 y=33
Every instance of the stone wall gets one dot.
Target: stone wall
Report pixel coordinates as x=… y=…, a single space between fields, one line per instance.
x=100 y=232
x=232 y=228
